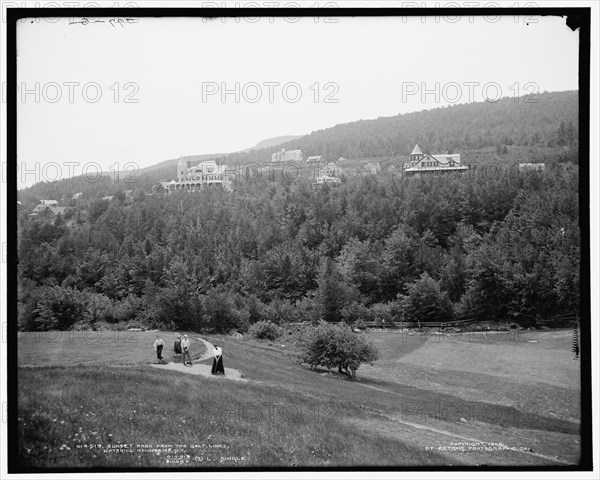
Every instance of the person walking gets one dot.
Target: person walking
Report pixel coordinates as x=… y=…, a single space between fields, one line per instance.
x=185 y=347
x=158 y=346
x=217 y=366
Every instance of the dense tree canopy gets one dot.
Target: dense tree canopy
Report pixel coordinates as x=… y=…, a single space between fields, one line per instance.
x=500 y=247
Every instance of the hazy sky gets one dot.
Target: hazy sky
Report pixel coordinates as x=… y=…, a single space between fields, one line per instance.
x=292 y=77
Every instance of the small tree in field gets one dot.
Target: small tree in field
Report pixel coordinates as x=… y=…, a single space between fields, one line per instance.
x=332 y=345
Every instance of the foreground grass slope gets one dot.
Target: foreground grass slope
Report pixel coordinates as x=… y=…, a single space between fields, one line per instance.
x=266 y=425
x=422 y=397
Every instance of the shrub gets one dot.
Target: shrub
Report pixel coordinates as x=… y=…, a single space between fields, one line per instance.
x=381 y=313
x=129 y=309
x=331 y=345
x=265 y=330
x=175 y=307
x=59 y=308
x=99 y=308
x=426 y=302
x=278 y=312
x=360 y=324
x=356 y=312
x=221 y=313
x=306 y=310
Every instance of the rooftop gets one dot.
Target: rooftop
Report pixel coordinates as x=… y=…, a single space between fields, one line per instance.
x=417 y=151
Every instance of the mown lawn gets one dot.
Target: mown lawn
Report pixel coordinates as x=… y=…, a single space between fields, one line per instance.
x=97 y=347
x=419 y=399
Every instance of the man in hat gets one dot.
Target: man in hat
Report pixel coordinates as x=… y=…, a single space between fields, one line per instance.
x=185 y=347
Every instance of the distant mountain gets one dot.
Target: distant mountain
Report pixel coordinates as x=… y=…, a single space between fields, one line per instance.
x=275 y=141
x=193 y=159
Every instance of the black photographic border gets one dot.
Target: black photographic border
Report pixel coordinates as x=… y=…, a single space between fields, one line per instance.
x=574 y=16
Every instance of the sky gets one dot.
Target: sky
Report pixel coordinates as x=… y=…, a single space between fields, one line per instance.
x=108 y=96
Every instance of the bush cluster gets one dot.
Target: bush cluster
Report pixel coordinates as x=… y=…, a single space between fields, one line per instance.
x=265 y=330
x=336 y=346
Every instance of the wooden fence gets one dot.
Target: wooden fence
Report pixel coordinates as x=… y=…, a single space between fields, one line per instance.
x=560 y=320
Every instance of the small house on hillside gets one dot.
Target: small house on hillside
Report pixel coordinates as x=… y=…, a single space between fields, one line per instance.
x=372 y=168
x=314 y=159
x=49 y=207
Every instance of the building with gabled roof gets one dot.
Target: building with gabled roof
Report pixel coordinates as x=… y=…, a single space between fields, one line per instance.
x=58 y=210
x=284 y=155
x=205 y=174
x=49 y=207
x=425 y=163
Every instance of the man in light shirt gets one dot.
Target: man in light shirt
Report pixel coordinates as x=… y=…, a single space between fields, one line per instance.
x=185 y=348
x=158 y=346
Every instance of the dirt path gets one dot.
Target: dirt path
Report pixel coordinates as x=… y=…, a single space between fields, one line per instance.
x=203 y=370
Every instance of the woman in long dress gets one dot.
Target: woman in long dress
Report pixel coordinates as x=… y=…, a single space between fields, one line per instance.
x=217 y=366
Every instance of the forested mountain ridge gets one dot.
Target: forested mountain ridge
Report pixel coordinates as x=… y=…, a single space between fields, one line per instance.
x=540 y=128
x=524 y=121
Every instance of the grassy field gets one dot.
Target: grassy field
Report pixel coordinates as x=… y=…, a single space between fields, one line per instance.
x=495 y=399
x=102 y=347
